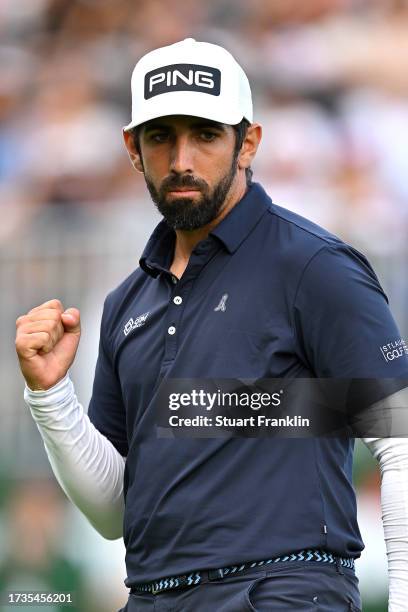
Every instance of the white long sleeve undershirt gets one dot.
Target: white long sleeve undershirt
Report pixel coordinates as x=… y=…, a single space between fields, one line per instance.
x=86 y=464
x=90 y=470
x=392 y=455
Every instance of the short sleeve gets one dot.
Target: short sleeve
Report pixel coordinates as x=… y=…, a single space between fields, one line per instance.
x=343 y=322
x=106 y=409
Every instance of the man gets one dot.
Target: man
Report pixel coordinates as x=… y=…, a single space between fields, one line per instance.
x=229 y=286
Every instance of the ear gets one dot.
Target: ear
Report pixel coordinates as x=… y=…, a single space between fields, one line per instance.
x=132 y=151
x=250 y=145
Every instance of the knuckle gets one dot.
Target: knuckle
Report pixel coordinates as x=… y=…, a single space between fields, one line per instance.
x=19 y=337
x=20 y=344
x=56 y=304
x=50 y=305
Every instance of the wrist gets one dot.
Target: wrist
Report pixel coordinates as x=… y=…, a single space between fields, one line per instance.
x=56 y=394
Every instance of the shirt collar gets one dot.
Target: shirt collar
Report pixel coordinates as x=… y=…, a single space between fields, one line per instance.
x=240 y=222
x=231 y=231
x=158 y=252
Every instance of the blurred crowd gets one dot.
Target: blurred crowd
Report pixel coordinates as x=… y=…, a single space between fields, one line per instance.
x=40 y=552
x=330 y=81
x=330 y=87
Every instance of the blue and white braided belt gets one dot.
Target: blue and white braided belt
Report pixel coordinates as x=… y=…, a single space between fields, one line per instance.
x=194 y=578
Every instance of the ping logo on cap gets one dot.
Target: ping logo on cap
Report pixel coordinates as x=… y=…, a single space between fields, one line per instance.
x=182 y=77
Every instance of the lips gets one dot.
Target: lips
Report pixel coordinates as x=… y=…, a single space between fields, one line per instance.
x=183 y=192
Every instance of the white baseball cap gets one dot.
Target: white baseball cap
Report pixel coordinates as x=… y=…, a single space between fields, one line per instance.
x=190 y=78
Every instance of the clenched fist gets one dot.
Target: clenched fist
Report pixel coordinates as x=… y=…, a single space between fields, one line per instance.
x=46 y=342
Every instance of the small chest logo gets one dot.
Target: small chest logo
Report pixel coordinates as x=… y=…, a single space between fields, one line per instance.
x=182 y=77
x=134 y=323
x=222 y=306
x=394 y=350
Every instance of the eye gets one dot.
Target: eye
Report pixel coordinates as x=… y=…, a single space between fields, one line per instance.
x=159 y=137
x=208 y=136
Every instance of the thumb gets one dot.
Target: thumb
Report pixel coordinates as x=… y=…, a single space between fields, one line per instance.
x=71 y=320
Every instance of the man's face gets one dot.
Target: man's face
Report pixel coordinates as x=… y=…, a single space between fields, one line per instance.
x=189 y=165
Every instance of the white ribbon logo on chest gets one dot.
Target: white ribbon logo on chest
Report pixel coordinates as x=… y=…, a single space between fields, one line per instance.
x=222 y=307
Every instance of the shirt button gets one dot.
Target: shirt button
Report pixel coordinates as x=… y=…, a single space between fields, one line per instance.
x=177 y=300
x=174 y=280
x=171 y=330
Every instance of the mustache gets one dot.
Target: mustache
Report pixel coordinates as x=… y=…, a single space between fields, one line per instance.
x=184 y=180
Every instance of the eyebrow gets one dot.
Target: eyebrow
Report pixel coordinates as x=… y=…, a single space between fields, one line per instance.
x=210 y=124
x=200 y=124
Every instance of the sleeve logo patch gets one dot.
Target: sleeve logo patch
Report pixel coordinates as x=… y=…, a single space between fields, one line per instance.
x=394 y=349
x=134 y=323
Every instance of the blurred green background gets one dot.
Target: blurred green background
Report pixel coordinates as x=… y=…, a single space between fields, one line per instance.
x=330 y=85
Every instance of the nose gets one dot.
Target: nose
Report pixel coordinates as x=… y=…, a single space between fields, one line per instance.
x=181 y=156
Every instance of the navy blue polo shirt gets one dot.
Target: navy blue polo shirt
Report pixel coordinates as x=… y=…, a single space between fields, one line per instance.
x=297 y=302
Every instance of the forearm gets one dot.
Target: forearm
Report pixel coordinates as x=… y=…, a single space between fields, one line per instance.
x=87 y=466
x=392 y=454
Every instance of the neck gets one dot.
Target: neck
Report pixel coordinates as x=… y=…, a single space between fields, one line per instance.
x=186 y=240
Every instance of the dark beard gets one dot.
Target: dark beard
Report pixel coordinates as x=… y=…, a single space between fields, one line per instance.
x=186 y=213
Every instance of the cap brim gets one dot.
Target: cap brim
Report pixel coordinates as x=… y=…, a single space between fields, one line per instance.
x=189 y=104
